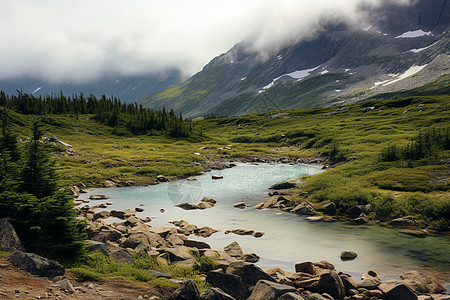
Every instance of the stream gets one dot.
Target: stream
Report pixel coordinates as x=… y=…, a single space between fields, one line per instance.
x=289 y=238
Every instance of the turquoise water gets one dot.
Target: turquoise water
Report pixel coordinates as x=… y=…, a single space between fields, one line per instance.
x=288 y=238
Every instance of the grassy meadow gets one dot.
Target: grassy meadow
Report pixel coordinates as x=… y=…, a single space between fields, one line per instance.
x=351 y=140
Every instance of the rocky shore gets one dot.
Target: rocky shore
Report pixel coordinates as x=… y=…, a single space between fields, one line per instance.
x=236 y=275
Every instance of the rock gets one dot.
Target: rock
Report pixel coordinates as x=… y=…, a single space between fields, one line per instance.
x=397 y=291
x=215 y=294
x=403 y=222
x=205 y=231
x=249 y=273
x=356 y=210
x=162 y=178
x=348 y=255
x=234 y=250
x=196 y=244
x=98 y=246
x=36 y=265
x=240 y=231
x=330 y=208
x=98 y=197
x=101 y=215
x=418 y=281
x=187 y=206
x=291 y=296
x=122 y=214
x=204 y=205
x=258 y=234
x=349 y=283
x=65 y=284
x=9 y=241
x=229 y=283
x=161 y=274
x=374 y=294
x=240 y=205
x=176 y=239
x=362 y=219
x=122 y=255
x=369 y=283
x=286 y=185
x=259 y=205
x=331 y=284
x=216 y=177
x=305 y=267
x=324 y=265
x=139 y=209
x=187 y=291
x=209 y=200
x=109 y=184
x=304 y=208
x=179 y=253
x=251 y=257
x=269 y=290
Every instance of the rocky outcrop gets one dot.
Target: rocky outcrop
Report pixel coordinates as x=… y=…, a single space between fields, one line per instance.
x=187 y=291
x=397 y=291
x=229 y=283
x=286 y=185
x=304 y=208
x=234 y=250
x=215 y=294
x=36 y=265
x=9 y=241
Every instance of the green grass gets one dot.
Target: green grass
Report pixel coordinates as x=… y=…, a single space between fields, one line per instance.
x=353 y=139
x=99 y=266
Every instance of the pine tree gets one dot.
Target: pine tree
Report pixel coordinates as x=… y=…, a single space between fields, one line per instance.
x=38 y=176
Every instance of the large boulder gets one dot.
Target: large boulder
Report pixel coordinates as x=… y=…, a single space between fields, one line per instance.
x=234 y=250
x=331 y=284
x=187 y=291
x=305 y=267
x=221 y=258
x=196 y=244
x=249 y=273
x=36 y=265
x=268 y=290
x=122 y=214
x=397 y=291
x=357 y=210
x=229 y=283
x=215 y=294
x=330 y=208
x=304 y=208
x=407 y=221
x=286 y=185
x=418 y=282
x=348 y=255
x=9 y=241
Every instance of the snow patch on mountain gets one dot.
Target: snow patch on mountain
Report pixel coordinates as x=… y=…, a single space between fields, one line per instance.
x=414 y=34
x=397 y=77
x=299 y=75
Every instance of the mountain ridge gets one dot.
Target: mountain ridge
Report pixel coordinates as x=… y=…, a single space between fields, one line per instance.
x=407 y=48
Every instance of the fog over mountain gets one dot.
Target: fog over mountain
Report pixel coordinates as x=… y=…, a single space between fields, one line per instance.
x=81 y=41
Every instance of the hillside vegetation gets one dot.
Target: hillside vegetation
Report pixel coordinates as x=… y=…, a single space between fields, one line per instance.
x=355 y=143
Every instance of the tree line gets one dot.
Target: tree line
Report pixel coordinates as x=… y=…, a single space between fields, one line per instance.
x=41 y=212
x=426 y=144
x=110 y=111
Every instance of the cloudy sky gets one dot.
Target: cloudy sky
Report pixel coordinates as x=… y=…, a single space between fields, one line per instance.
x=79 y=40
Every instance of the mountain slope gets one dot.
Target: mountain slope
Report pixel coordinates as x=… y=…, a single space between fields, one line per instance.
x=403 y=48
x=127 y=88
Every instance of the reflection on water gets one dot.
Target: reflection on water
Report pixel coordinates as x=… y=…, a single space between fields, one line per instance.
x=288 y=238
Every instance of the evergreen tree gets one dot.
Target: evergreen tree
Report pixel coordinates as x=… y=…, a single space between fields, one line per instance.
x=38 y=176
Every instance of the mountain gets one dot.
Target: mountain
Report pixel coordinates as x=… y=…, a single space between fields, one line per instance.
x=126 y=88
x=404 y=47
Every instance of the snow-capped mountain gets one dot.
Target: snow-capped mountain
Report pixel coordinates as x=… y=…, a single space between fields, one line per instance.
x=399 y=48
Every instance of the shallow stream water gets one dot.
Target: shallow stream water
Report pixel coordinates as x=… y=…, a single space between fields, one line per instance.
x=289 y=238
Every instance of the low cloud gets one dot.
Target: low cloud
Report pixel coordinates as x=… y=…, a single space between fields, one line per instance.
x=79 y=40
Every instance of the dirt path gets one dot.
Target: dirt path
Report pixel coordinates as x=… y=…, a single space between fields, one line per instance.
x=18 y=284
